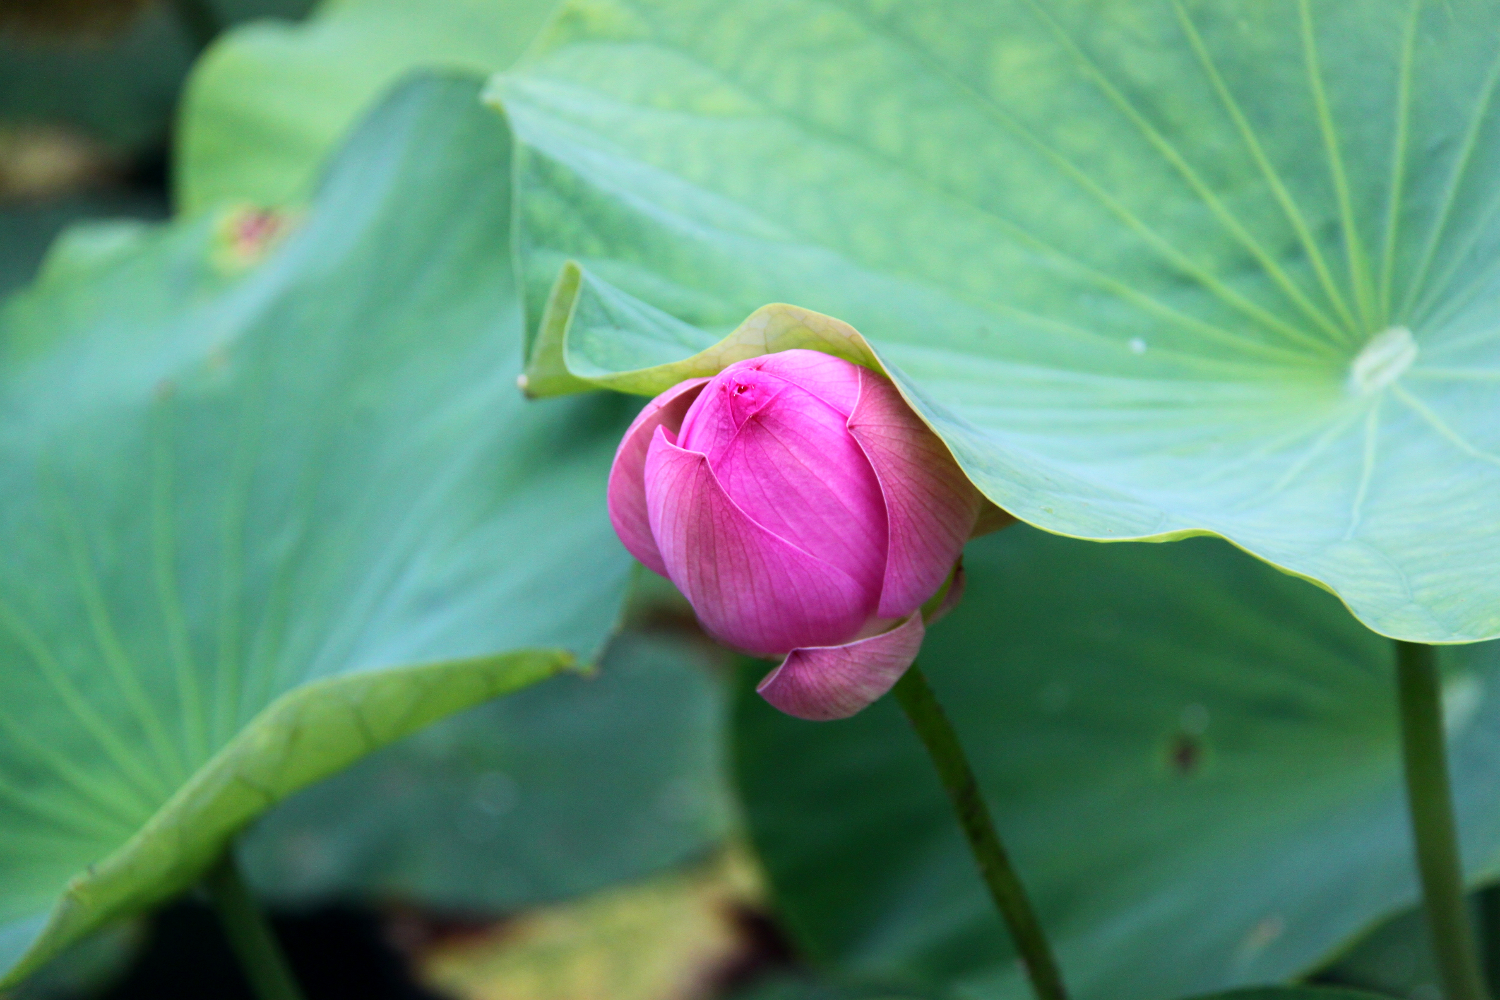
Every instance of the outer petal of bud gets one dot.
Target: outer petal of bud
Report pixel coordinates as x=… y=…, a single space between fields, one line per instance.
x=834 y=682
x=931 y=507
x=752 y=589
x=627 y=477
x=788 y=461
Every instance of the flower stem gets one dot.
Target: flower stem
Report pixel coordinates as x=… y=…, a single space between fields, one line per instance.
x=936 y=732
x=250 y=933
x=1430 y=802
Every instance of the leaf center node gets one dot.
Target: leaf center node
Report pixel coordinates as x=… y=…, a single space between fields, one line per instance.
x=1383 y=360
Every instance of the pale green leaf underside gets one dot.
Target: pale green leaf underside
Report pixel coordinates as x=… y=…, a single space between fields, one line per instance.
x=1138 y=263
x=260 y=522
x=270 y=101
x=1193 y=759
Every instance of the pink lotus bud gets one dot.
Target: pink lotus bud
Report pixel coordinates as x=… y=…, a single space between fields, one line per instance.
x=805 y=511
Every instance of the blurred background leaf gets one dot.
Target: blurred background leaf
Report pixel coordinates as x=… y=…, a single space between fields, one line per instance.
x=671 y=938
x=1394 y=959
x=269 y=101
x=1290 y=993
x=30 y=230
x=116 y=82
x=1192 y=756
x=787 y=988
x=552 y=793
x=87 y=968
x=272 y=502
x=88 y=98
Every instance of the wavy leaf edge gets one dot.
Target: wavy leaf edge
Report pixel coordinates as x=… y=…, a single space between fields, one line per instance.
x=552 y=370
x=85 y=904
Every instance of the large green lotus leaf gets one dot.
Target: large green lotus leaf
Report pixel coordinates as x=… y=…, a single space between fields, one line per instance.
x=259 y=524
x=1151 y=269
x=549 y=794
x=271 y=100
x=1193 y=757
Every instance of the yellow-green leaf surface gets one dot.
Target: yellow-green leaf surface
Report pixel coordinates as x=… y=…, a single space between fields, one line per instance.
x=270 y=101
x=268 y=508
x=1151 y=269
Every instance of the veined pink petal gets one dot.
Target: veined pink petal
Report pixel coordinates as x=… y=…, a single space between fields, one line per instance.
x=752 y=589
x=834 y=682
x=733 y=396
x=787 y=459
x=627 y=477
x=930 y=504
x=833 y=380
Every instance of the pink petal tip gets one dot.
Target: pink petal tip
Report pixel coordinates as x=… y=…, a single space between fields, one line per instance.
x=822 y=683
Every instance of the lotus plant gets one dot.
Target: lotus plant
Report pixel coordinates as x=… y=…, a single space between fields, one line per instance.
x=807 y=514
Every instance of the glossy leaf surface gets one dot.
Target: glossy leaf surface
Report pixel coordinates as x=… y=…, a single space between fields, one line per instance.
x=1193 y=758
x=269 y=507
x=1151 y=270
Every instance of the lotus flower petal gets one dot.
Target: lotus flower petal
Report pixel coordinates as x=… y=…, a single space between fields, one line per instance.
x=833 y=380
x=830 y=379
x=788 y=461
x=931 y=507
x=627 y=477
x=751 y=589
x=835 y=682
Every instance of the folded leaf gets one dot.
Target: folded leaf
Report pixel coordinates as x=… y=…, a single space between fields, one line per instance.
x=1150 y=270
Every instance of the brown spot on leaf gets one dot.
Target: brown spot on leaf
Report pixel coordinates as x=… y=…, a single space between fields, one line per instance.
x=1186 y=754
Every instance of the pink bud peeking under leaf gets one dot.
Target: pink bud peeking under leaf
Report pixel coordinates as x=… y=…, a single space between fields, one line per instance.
x=805 y=512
